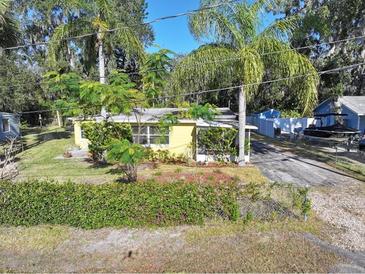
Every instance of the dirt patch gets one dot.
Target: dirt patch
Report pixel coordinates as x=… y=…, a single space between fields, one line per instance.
x=204 y=176
x=161 y=250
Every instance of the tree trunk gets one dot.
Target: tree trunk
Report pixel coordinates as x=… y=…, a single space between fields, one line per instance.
x=242 y=126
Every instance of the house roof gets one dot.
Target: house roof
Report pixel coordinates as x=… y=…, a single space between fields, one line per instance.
x=153 y=115
x=225 y=118
x=355 y=103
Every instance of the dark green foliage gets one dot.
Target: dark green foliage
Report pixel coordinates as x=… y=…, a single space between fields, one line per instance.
x=114 y=205
x=19 y=86
x=101 y=134
x=219 y=142
x=330 y=20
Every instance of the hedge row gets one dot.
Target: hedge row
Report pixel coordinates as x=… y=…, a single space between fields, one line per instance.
x=114 y=205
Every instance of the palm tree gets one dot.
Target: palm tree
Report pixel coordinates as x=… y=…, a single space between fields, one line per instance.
x=9 y=32
x=237 y=54
x=95 y=17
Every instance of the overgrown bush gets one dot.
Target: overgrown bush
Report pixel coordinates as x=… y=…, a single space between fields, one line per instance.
x=101 y=134
x=115 y=205
x=219 y=142
x=164 y=156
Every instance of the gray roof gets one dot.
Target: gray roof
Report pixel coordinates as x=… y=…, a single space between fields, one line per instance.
x=153 y=115
x=355 y=103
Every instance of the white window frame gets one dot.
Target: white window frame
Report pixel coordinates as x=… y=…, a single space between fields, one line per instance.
x=3 y=124
x=149 y=135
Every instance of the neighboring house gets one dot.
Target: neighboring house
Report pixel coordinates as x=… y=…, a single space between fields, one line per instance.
x=353 y=106
x=9 y=126
x=180 y=139
x=270 y=124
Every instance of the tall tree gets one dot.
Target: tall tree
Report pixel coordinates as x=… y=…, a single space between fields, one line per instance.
x=99 y=19
x=19 y=87
x=330 y=20
x=237 y=54
x=39 y=20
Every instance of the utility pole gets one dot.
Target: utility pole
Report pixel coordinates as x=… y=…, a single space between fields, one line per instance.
x=241 y=126
x=101 y=65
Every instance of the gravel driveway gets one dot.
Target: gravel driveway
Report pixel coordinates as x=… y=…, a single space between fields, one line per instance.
x=337 y=198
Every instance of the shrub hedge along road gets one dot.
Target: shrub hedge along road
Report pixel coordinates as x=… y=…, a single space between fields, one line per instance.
x=115 y=205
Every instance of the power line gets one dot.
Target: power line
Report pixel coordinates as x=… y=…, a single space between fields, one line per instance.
x=226 y=59
x=236 y=58
x=221 y=89
x=126 y=27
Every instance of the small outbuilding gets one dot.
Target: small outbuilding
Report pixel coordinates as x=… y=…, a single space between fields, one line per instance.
x=9 y=126
x=352 y=106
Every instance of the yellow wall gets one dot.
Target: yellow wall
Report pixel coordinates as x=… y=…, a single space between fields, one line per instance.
x=182 y=139
x=81 y=142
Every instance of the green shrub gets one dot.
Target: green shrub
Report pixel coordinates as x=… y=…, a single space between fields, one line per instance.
x=101 y=134
x=164 y=156
x=114 y=205
x=127 y=154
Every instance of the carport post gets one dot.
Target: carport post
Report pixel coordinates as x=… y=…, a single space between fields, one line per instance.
x=249 y=144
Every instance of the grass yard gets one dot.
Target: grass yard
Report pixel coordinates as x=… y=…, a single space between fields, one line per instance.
x=40 y=162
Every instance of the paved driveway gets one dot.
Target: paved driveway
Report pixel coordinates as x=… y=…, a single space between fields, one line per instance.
x=283 y=166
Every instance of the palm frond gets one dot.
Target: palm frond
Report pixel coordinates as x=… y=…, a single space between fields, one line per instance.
x=282 y=29
x=126 y=38
x=204 y=66
x=284 y=62
x=60 y=35
x=250 y=68
x=213 y=24
x=4 y=6
x=9 y=31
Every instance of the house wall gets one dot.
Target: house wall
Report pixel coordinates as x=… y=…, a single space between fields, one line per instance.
x=326 y=107
x=352 y=119
x=14 y=123
x=182 y=139
x=362 y=124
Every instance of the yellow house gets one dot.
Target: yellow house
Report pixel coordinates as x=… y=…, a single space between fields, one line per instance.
x=180 y=139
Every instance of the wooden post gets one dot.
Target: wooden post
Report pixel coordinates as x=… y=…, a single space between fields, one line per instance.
x=58 y=118
x=241 y=126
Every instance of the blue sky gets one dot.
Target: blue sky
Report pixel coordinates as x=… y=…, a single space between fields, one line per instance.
x=174 y=34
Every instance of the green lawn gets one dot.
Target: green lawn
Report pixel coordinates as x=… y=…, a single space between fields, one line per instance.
x=39 y=161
